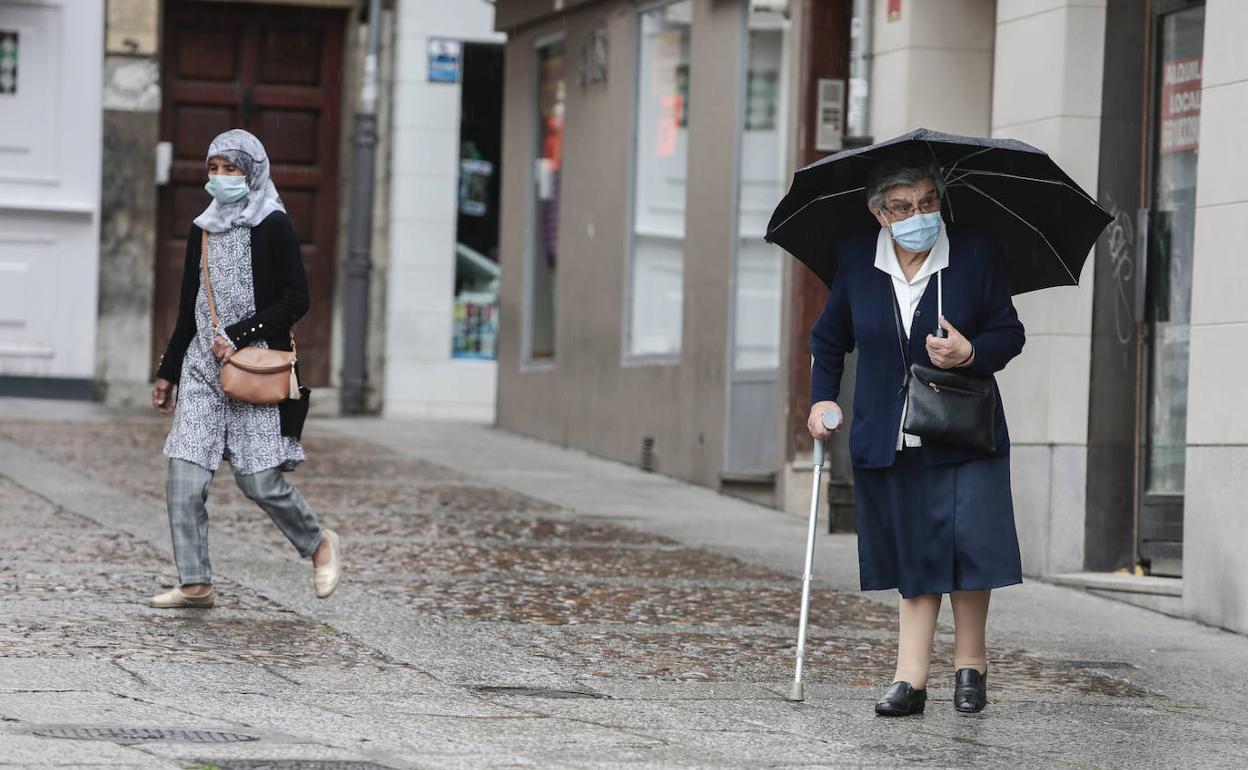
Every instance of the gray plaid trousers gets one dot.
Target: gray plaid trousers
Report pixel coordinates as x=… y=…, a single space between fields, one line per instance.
x=186 y=492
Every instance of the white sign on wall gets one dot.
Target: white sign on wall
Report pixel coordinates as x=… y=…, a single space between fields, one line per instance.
x=831 y=115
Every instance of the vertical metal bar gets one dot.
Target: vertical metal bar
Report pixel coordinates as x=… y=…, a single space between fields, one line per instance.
x=797 y=692
x=1142 y=369
x=858 y=123
x=360 y=239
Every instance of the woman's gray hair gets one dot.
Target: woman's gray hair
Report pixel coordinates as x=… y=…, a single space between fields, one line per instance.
x=903 y=172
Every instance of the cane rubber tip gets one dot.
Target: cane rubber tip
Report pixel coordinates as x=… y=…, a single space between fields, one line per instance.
x=796 y=692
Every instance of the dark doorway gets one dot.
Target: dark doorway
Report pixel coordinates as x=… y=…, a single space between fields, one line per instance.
x=277 y=72
x=1136 y=431
x=1175 y=74
x=476 y=230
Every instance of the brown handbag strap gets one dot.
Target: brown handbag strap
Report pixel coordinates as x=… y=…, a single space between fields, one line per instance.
x=212 y=305
x=203 y=260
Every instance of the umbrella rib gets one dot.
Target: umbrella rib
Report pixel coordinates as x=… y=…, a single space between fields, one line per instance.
x=1033 y=227
x=966 y=157
x=952 y=181
x=813 y=201
x=1059 y=182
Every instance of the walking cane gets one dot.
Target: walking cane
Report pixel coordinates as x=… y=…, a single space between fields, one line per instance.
x=830 y=421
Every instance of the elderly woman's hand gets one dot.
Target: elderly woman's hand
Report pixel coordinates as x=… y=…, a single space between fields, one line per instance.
x=222 y=349
x=814 y=423
x=952 y=351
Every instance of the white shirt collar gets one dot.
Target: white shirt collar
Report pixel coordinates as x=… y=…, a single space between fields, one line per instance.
x=886 y=257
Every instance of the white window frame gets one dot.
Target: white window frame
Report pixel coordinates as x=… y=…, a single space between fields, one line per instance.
x=627 y=357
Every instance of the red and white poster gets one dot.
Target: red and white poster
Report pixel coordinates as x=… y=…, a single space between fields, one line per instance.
x=1180 y=105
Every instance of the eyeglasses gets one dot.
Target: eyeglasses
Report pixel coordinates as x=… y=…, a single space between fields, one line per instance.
x=929 y=204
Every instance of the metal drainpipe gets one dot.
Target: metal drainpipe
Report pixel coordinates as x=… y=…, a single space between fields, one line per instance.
x=860 y=52
x=360 y=239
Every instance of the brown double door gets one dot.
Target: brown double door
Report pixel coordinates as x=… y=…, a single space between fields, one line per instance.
x=277 y=72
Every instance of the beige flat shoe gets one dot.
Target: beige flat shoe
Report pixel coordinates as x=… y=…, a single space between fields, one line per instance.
x=326 y=578
x=175 y=599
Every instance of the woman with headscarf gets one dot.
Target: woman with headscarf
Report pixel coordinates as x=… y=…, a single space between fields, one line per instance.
x=260 y=291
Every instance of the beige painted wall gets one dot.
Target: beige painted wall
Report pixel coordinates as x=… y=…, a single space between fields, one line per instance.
x=589 y=398
x=1047 y=92
x=932 y=68
x=1215 y=572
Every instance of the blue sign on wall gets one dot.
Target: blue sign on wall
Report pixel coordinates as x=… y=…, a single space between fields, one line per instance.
x=444 y=57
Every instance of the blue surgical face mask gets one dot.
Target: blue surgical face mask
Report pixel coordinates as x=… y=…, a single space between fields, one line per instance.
x=918 y=233
x=226 y=188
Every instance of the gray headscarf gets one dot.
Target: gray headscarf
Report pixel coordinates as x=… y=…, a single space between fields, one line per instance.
x=244 y=150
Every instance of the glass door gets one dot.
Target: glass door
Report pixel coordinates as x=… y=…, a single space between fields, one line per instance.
x=1171 y=230
x=757 y=285
x=660 y=183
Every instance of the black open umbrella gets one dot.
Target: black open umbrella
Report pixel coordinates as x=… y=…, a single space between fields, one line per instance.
x=1043 y=223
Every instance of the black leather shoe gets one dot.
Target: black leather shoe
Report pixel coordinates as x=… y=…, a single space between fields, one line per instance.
x=901 y=700
x=970 y=690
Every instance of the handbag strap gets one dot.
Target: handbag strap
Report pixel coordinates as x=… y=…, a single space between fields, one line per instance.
x=203 y=260
x=212 y=305
x=901 y=337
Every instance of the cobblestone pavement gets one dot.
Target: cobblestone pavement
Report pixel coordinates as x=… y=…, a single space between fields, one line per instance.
x=636 y=649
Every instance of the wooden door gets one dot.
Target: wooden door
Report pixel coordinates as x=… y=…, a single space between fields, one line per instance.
x=277 y=72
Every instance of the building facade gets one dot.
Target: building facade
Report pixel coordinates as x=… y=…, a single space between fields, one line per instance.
x=632 y=238
x=441 y=300
x=102 y=184
x=643 y=319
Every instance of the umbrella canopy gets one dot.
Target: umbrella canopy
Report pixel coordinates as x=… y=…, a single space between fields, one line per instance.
x=1043 y=223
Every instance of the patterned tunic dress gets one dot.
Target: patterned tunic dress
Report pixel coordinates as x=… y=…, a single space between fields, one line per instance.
x=208 y=426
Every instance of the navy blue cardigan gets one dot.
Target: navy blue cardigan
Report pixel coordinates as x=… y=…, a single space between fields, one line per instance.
x=859 y=313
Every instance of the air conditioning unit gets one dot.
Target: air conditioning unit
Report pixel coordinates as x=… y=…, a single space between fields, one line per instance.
x=770 y=6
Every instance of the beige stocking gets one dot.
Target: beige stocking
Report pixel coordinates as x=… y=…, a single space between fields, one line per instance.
x=916 y=627
x=970 y=617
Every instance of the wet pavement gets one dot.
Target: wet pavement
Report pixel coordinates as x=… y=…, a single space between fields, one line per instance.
x=458 y=589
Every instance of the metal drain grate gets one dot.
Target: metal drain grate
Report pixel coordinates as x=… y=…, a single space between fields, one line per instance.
x=282 y=764
x=140 y=734
x=536 y=692
x=1104 y=664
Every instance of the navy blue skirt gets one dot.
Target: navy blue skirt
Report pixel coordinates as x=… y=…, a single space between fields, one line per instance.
x=932 y=529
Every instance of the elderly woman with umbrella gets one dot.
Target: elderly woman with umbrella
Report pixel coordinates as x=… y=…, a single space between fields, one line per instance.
x=922 y=241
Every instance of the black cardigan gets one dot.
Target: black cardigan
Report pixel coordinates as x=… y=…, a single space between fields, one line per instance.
x=281 y=288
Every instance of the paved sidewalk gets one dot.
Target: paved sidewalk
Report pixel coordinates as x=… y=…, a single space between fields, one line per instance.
x=487 y=576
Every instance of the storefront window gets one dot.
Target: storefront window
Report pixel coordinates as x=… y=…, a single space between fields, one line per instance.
x=476 y=240
x=1171 y=235
x=544 y=228
x=657 y=259
x=756 y=331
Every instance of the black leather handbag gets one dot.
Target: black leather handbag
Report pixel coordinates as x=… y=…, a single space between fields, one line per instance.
x=946 y=407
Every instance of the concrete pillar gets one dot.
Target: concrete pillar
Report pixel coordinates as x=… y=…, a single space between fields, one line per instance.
x=1215 y=570
x=932 y=67
x=131 y=120
x=1047 y=92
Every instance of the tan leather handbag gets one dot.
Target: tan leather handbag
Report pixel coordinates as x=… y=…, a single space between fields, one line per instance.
x=253 y=375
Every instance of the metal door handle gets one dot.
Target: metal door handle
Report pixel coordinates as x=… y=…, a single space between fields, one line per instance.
x=1141 y=264
x=164 y=161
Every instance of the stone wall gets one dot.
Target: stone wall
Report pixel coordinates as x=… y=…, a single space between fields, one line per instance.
x=124 y=364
